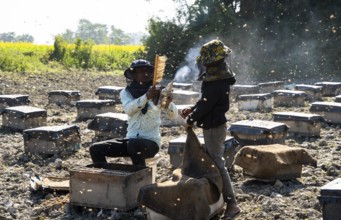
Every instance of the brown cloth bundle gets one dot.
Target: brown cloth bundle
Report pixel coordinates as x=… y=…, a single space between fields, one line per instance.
x=195 y=185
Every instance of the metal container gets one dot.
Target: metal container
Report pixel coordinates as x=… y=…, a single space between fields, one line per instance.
x=108 y=185
x=64 y=97
x=269 y=87
x=52 y=139
x=330 y=111
x=183 y=86
x=183 y=97
x=176 y=148
x=237 y=90
x=258 y=132
x=109 y=92
x=330 y=200
x=23 y=117
x=88 y=109
x=303 y=124
x=109 y=125
x=314 y=93
x=13 y=100
x=288 y=98
x=329 y=88
x=255 y=102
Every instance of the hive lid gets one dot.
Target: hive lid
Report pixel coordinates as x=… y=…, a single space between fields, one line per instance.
x=325 y=107
x=260 y=96
x=299 y=116
x=245 y=86
x=14 y=99
x=308 y=87
x=291 y=93
x=50 y=132
x=110 y=169
x=65 y=92
x=329 y=83
x=109 y=122
x=109 y=90
x=257 y=127
x=95 y=103
x=25 y=111
x=332 y=188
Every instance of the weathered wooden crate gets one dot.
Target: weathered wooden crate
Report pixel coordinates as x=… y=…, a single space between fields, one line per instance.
x=329 y=88
x=108 y=186
x=178 y=121
x=176 y=148
x=13 y=100
x=303 y=124
x=88 y=109
x=109 y=125
x=237 y=90
x=23 y=117
x=330 y=111
x=64 y=97
x=109 y=92
x=258 y=132
x=52 y=139
x=274 y=161
x=338 y=98
x=183 y=97
x=288 y=98
x=183 y=86
x=255 y=102
x=269 y=87
x=330 y=200
x=314 y=93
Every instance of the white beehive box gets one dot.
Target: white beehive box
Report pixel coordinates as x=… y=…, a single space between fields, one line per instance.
x=23 y=117
x=183 y=97
x=88 y=109
x=329 y=88
x=108 y=186
x=288 y=98
x=64 y=97
x=176 y=148
x=269 y=87
x=338 y=98
x=237 y=90
x=330 y=111
x=183 y=86
x=303 y=124
x=13 y=100
x=52 y=139
x=255 y=102
x=109 y=125
x=314 y=93
x=258 y=132
x=109 y=92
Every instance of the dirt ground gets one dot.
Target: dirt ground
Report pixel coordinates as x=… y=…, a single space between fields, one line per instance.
x=291 y=199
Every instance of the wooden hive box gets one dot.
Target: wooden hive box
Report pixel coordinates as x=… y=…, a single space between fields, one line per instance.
x=88 y=109
x=183 y=97
x=166 y=122
x=288 y=98
x=176 y=148
x=183 y=86
x=258 y=132
x=108 y=186
x=109 y=125
x=338 y=98
x=23 y=117
x=13 y=100
x=237 y=90
x=269 y=87
x=255 y=102
x=274 y=161
x=64 y=97
x=109 y=92
x=314 y=93
x=329 y=88
x=52 y=139
x=330 y=111
x=303 y=124
x=330 y=200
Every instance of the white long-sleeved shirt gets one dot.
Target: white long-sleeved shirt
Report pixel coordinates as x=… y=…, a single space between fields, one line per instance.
x=144 y=125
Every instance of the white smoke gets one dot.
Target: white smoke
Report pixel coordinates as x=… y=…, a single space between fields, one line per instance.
x=189 y=70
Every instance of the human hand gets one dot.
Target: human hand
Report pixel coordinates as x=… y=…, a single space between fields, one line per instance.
x=153 y=93
x=185 y=112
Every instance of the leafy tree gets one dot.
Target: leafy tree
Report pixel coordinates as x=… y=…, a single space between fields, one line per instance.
x=118 y=37
x=96 y=32
x=59 y=49
x=12 y=37
x=68 y=36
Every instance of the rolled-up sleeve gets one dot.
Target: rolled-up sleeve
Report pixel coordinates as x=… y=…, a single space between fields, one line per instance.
x=131 y=105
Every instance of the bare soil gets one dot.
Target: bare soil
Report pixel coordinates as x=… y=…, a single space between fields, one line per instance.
x=292 y=199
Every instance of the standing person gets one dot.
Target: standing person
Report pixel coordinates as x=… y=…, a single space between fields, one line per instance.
x=209 y=111
x=143 y=133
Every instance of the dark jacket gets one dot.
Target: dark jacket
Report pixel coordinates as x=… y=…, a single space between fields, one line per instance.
x=209 y=111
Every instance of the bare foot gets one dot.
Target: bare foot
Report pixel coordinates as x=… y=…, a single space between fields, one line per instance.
x=231 y=211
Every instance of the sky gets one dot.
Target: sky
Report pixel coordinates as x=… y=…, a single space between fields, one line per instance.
x=43 y=19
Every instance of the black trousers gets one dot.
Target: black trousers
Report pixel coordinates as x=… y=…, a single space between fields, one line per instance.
x=138 y=149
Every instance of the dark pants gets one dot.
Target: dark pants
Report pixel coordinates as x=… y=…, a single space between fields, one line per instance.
x=137 y=149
